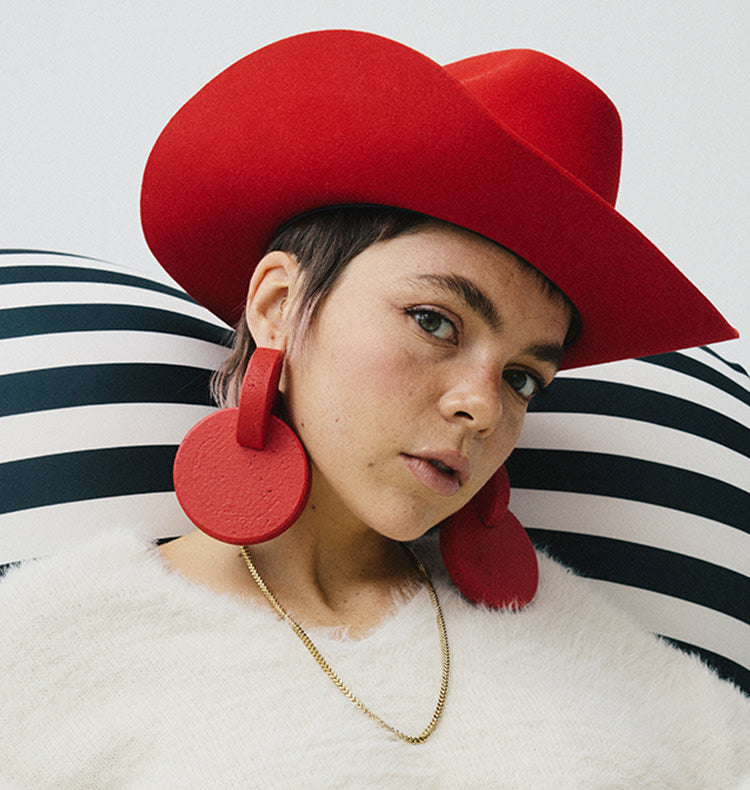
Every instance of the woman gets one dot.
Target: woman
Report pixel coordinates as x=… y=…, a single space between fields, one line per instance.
x=293 y=639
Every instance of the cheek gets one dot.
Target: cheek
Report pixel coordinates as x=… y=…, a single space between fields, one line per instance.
x=349 y=386
x=367 y=361
x=375 y=391
x=497 y=450
x=516 y=426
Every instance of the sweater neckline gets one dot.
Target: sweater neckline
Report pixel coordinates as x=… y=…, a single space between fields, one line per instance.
x=174 y=584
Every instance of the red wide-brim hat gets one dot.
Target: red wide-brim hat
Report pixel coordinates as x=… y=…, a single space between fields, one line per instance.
x=513 y=145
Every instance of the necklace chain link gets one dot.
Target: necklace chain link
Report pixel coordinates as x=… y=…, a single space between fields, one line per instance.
x=336 y=680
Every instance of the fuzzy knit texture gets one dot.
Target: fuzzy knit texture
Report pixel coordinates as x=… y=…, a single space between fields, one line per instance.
x=118 y=673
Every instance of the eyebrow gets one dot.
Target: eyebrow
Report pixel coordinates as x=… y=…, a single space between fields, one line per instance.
x=471 y=294
x=480 y=303
x=545 y=352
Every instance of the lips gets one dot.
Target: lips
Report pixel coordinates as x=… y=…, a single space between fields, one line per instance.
x=442 y=471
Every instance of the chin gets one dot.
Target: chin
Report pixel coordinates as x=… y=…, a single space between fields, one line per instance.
x=387 y=510
x=406 y=536
x=405 y=527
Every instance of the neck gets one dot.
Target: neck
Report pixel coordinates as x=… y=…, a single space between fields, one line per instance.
x=328 y=569
x=332 y=568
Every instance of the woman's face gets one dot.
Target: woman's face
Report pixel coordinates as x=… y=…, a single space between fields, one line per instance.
x=410 y=389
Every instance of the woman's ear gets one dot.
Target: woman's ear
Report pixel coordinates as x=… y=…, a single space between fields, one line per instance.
x=267 y=310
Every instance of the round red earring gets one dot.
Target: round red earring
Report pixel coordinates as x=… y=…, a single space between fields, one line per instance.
x=487 y=552
x=241 y=475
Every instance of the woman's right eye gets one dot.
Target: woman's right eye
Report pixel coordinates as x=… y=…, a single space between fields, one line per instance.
x=434 y=323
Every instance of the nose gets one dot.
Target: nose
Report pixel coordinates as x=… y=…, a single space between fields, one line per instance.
x=474 y=401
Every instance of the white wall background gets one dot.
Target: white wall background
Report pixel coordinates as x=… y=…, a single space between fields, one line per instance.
x=86 y=86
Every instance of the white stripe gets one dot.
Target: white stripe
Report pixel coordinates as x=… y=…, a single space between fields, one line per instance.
x=55 y=293
x=665 y=381
x=36 y=352
x=45 y=530
x=634 y=439
x=634 y=522
x=93 y=427
x=683 y=620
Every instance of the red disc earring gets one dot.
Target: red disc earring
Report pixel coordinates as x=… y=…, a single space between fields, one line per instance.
x=241 y=475
x=487 y=552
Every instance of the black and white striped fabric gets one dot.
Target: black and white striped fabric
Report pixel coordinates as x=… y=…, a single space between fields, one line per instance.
x=102 y=372
x=635 y=473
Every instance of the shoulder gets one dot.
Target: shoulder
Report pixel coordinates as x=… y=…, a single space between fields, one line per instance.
x=568 y=611
x=104 y=641
x=105 y=604
x=82 y=574
x=588 y=672
x=117 y=580
x=55 y=610
x=35 y=580
x=571 y=622
x=572 y=628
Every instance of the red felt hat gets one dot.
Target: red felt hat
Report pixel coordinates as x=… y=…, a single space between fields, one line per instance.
x=514 y=145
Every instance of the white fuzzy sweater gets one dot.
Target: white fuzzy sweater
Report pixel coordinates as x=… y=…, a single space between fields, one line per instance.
x=117 y=673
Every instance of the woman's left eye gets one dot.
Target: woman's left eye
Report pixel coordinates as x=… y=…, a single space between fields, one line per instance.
x=434 y=323
x=526 y=385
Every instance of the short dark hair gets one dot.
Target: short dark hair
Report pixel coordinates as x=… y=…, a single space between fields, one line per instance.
x=323 y=242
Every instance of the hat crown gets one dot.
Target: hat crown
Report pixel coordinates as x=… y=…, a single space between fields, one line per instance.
x=552 y=107
x=513 y=145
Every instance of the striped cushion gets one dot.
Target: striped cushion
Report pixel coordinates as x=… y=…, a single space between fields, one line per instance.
x=103 y=372
x=636 y=473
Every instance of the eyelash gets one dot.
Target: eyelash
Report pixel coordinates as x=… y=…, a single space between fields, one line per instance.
x=419 y=314
x=539 y=387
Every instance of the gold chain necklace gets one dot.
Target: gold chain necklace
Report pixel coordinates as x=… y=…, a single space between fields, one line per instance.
x=336 y=680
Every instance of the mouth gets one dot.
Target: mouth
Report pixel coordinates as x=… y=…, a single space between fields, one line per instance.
x=443 y=473
x=441 y=467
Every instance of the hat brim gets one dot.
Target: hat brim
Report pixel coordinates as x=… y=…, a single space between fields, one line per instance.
x=343 y=117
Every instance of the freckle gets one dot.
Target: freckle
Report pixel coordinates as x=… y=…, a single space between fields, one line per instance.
x=371 y=463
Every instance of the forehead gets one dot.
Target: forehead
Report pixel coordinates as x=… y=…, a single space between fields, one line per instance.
x=440 y=260
x=445 y=251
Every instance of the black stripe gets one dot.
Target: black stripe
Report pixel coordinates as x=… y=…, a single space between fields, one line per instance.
x=632 y=479
x=54 y=318
x=727 y=669
x=584 y=396
x=87 y=474
x=84 y=385
x=648 y=568
x=50 y=273
x=5 y=567
x=735 y=366
x=691 y=367
x=162 y=541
